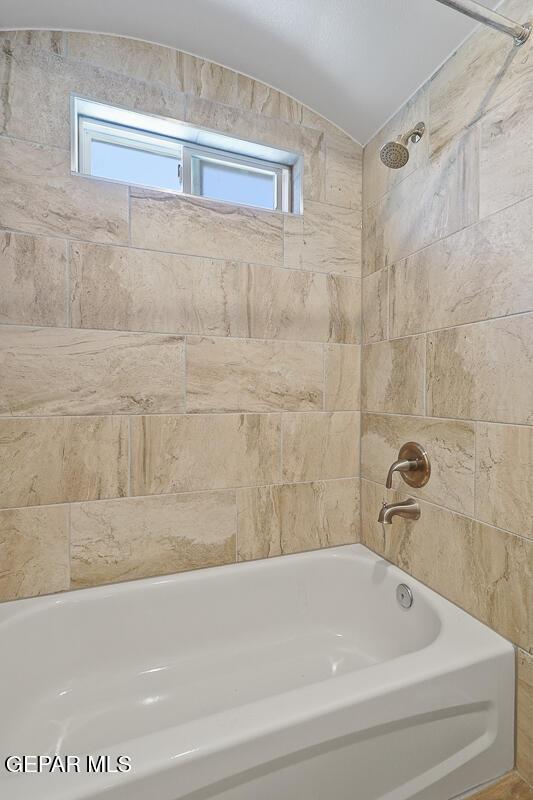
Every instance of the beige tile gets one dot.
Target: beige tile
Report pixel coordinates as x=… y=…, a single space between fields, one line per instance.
x=393 y=376
x=505 y=162
x=34 y=552
x=288 y=519
x=33 y=276
x=196 y=226
x=470 y=371
x=240 y=375
x=325 y=239
x=39 y=195
x=379 y=179
x=511 y=787
x=524 y=708
x=62 y=371
x=305 y=306
x=58 y=460
x=344 y=168
x=481 y=272
x=504 y=477
x=375 y=306
x=320 y=446
x=53 y=41
x=342 y=378
x=193 y=453
x=486 y=571
x=210 y=81
x=436 y=200
x=450 y=446
x=482 y=73
x=263 y=129
x=140 y=290
x=135 y=538
x=35 y=103
x=132 y=57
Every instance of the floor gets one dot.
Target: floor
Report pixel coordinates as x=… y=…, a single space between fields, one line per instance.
x=512 y=787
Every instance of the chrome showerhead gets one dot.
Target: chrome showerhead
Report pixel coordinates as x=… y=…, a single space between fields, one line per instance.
x=396 y=154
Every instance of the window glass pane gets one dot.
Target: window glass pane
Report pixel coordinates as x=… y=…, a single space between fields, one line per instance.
x=131 y=165
x=238 y=185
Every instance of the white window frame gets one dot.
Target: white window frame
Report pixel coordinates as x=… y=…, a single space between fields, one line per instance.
x=92 y=121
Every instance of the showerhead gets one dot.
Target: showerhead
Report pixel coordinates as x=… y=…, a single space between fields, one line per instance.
x=395 y=155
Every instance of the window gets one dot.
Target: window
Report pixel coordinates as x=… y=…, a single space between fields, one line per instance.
x=172 y=156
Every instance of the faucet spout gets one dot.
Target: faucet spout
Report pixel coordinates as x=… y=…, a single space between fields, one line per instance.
x=409 y=509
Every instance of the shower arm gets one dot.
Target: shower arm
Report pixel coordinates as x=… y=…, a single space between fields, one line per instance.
x=476 y=11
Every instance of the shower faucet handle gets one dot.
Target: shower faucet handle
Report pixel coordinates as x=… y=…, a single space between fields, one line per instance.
x=413 y=465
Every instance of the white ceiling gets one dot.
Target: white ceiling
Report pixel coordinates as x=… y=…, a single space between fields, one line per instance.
x=353 y=61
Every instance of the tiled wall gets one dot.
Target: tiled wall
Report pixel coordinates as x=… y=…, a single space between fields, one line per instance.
x=179 y=378
x=448 y=339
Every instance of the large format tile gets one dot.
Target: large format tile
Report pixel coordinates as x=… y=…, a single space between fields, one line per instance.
x=436 y=200
x=39 y=195
x=52 y=41
x=482 y=73
x=504 y=477
x=506 y=163
x=486 y=571
x=344 y=169
x=450 y=445
x=393 y=376
x=132 y=57
x=299 y=305
x=59 y=460
x=212 y=82
x=524 y=714
x=376 y=306
x=141 y=290
x=481 y=272
x=240 y=375
x=138 y=537
x=379 y=179
x=34 y=552
x=320 y=446
x=194 y=226
x=325 y=238
x=197 y=452
x=342 y=375
x=482 y=371
x=35 y=101
x=63 y=371
x=274 y=520
x=33 y=276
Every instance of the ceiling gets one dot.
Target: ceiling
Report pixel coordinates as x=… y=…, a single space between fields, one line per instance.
x=353 y=61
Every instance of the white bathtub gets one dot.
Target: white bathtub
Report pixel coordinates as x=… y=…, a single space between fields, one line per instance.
x=298 y=678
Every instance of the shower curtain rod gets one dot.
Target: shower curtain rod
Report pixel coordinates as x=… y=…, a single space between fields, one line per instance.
x=476 y=11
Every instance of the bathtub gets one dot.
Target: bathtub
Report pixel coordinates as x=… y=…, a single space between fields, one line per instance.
x=299 y=678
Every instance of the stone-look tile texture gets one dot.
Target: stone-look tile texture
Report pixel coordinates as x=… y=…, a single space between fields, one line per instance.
x=34 y=551
x=320 y=446
x=447 y=259
x=62 y=371
x=393 y=376
x=240 y=375
x=512 y=787
x=61 y=459
x=342 y=376
x=274 y=520
x=33 y=277
x=214 y=451
x=137 y=537
x=152 y=345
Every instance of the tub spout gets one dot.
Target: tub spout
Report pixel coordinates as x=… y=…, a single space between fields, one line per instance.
x=409 y=509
